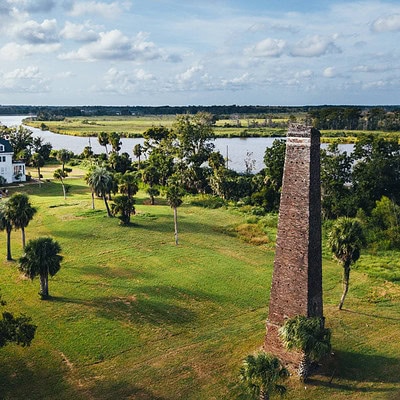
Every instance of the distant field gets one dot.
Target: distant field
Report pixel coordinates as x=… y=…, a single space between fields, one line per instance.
x=135 y=317
x=134 y=126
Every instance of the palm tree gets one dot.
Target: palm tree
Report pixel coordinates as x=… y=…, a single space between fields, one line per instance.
x=309 y=336
x=128 y=183
x=124 y=207
x=103 y=140
x=137 y=152
x=174 y=198
x=38 y=162
x=61 y=174
x=17 y=330
x=63 y=155
x=41 y=259
x=263 y=375
x=20 y=212
x=100 y=180
x=346 y=239
x=6 y=224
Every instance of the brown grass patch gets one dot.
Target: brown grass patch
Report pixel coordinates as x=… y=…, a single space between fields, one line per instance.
x=252 y=233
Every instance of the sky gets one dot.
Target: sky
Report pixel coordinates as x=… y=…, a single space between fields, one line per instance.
x=217 y=52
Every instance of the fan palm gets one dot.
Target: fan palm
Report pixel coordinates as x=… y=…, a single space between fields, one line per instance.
x=346 y=239
x=309 y=336
x=6 y=224
x=100 y=181
x=124 y=206
x=20 y=212
x=263 y=374
x=41 y=259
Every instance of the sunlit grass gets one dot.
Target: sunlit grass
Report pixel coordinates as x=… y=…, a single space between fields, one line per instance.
x=133 y=316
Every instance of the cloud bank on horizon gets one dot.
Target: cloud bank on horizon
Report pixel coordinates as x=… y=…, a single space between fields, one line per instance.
x=118 y=52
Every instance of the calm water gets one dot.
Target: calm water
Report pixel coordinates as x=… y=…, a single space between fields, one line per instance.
x=237 y=149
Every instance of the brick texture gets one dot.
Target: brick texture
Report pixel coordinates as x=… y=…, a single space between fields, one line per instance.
x=297 y=277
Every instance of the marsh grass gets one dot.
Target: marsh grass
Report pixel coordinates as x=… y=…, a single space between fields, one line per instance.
x=132 y=316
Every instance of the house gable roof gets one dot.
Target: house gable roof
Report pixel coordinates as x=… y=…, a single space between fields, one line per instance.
x=6 y=146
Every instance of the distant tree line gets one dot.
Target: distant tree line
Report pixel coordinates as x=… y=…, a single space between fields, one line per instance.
x=323 y=117
x=354 y=118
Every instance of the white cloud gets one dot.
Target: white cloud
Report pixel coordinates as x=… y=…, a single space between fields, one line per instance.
x=329 y=72
x=307 y=73
x=142 y=75
x=314 y=46
x=36 y=33
x=190 y=73
x=99 y=8
x=237 y=82
x=15 y=51
x=387 y=24
x=266 y=48
x=114 y=45
x=27 y=79
x=79 y=32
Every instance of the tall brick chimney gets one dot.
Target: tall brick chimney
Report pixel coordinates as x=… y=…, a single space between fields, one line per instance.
x=297 y=277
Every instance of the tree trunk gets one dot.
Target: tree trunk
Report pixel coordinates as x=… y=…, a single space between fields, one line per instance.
x=63 y=187
x=152 y=200
x=264 y=395
x=92 y=199
x=23 y=236
x=39 y=174
x=44 y=286
x=176 y=224
x=304 y=368
x=107 y=206
x=9 y=256
x=346 y=278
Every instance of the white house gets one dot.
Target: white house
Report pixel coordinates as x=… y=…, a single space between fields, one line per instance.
x=9 y=170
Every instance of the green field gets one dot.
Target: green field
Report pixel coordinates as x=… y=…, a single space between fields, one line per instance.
x=133 y=316
x=134 y=126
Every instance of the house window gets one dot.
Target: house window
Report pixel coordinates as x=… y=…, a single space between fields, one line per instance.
x=1 y=147
x=2 y=158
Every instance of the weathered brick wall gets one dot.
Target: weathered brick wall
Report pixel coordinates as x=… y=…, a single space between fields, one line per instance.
x=297 y=277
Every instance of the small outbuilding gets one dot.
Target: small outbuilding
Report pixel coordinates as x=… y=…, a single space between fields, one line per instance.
x=11 y=171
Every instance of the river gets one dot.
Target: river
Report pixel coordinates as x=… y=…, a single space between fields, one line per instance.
x=236 y=149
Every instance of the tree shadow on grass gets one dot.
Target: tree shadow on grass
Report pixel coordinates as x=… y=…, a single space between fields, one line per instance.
x=26 y=379
x=347 y=371
x=157 y=305
x=371 y=315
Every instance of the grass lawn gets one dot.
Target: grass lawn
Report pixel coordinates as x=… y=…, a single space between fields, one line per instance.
x=133 y=316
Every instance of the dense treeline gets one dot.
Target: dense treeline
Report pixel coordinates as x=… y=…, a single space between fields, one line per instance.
x=354 y=118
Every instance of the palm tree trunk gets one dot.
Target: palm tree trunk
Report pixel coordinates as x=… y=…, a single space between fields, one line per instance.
x=176 y=224
x=346 y=278
x=9 y=256
x=264 y=395
x=63 y=186
x=92 y=199
x=23 y=236
x=44 y=286
x=304 y=368
x=39 y=174
x=107 y=206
